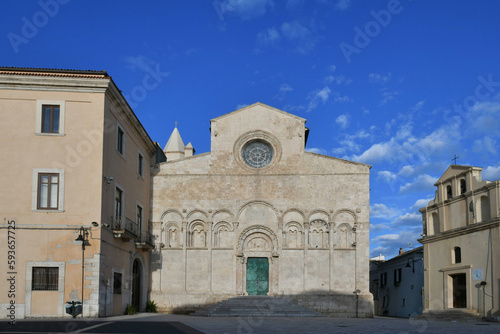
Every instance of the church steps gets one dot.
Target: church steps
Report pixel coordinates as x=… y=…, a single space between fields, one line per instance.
x=264 y=306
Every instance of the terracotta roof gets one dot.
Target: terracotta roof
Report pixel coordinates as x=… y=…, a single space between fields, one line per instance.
x=54 y=72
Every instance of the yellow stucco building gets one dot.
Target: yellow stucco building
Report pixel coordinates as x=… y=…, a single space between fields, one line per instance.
x=74 y=156
x=462 y=245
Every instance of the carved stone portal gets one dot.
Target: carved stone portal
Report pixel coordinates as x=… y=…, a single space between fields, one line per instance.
x=257 y=242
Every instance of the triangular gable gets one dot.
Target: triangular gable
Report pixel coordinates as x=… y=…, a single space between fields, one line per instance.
x=453 y=171
x=262 y=105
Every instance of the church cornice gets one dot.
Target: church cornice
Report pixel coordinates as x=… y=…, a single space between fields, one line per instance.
x=492 y=223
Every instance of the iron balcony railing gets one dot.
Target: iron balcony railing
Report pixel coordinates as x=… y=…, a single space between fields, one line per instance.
x=149 y=239
x=123 y=223
x=146 y=238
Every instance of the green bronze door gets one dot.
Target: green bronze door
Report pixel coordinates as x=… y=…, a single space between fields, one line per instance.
x=257 y=276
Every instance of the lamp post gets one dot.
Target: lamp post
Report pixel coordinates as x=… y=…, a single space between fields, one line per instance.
x=83 y=239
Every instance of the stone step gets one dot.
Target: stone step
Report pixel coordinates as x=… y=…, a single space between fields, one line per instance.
x=450 y=315
x=265 y=306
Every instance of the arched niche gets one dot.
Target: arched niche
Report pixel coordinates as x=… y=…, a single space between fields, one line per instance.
x=346 y=237
x=319 y=232
x=197 y=234
x=223 y=235
x=293 y=235
x=172 y=235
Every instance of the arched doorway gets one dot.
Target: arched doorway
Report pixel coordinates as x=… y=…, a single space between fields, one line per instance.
x=136 y=284
x=258 y=273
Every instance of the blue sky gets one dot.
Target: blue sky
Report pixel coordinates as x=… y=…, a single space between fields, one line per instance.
x=401 y=85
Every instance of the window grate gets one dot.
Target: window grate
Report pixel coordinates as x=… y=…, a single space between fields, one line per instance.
x=45 y=279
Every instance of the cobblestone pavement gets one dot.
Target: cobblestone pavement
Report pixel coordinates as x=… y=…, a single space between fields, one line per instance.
x=165 y=323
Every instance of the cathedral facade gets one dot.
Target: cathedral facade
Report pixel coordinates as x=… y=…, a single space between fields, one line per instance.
x=259 y=215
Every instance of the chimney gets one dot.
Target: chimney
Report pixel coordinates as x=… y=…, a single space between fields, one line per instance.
x=401 y=251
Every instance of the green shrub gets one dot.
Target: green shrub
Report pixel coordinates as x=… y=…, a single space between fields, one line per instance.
x=151 y=306
x=130 y=310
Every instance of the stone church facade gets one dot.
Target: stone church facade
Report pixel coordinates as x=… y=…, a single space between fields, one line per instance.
x=259 y=215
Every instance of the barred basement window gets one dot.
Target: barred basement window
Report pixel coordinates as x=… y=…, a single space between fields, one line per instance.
x=45 y=279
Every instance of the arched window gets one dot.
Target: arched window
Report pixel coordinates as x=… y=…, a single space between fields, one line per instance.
x=448 y=192
x=457 y=255
x=463 y=187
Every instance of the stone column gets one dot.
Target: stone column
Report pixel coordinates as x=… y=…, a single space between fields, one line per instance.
x=306 y=246
x=185 y=236
x=274 y=275
x=209 y=246
x=237 y=264
x=244 y=276
x=332 y=259
x=239 y=274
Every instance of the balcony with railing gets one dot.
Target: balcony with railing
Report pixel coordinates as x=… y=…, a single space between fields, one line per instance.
x=124 y=228
x=145 y=241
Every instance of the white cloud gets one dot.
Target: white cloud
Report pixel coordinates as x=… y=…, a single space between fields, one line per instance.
x=386 y=176
x=343 y=121
x=423 y=182
x=332 y=68
x=285 y=88
x=418 y=106
x=389 y=244
x=421 y=203
x=339 y=79
x=343 y=4
x=378 y=227
x=380 y=210
x=405 y=147
x=487 y=144
x=239 y=106
x=245 y=9
x=349 y=142
x=140 y=62
x=388 y=96
x=379 y=78
x=341 y=98
x=408 y=219
x=299 y=35
x=318 y=96
x=485 y=118
x=407 y=171
x=268 y=37
x=491 y=173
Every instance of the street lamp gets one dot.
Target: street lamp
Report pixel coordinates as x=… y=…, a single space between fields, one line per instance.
x=83 y=239
x=413 y=263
